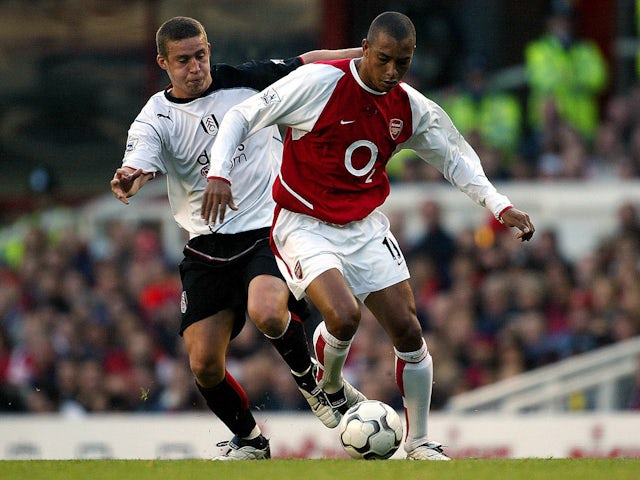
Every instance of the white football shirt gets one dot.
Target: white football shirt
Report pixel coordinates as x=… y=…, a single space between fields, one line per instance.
x=174 y=137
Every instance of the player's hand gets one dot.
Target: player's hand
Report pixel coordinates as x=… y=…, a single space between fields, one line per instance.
x=520 y=220
x=217 y=197
x=122 y=184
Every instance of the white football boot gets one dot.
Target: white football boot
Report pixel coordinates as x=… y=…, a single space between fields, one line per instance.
x=428 y=451
x=240 y=449
x=316 y=398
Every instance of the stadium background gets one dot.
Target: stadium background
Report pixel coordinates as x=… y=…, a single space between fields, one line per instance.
x=73 y=74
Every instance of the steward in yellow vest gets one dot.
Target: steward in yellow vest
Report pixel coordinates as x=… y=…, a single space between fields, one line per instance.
x=496 y=115
x=571 y=72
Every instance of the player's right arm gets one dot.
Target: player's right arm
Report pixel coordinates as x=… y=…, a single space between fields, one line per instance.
x=293 y=101
x=143 y=153
x=127 y=181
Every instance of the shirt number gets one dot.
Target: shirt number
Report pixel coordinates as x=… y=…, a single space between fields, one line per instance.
x=368 y=169
x=394 y=250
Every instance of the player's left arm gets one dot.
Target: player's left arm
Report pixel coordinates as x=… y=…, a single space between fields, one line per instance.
x=326 y=55
x=437 y=141
x=512 y=217
x=259 y=74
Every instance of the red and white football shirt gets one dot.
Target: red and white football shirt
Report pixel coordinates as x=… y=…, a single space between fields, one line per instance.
x=341 y=135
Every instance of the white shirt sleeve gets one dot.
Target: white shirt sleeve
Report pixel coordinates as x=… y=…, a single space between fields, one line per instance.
x=144 y=145
x=295 y=101
x=437 y=141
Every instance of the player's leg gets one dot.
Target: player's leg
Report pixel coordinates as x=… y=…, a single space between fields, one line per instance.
x=209 y=322
x=394 y=307
x=379 y=277
x=267 y=308
x=207 y=341
x=332 y=338
x=269 y=301
x=303 y=247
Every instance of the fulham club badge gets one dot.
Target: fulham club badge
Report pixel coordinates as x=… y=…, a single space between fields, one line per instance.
x=183 y=302
x=209 y=125
x=395 y=127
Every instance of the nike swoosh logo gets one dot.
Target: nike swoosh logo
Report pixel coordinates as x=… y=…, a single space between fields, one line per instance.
x=346 y=122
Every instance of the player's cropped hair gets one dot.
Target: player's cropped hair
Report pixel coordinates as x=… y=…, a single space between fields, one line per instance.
x=394 y=24
x=178 y=28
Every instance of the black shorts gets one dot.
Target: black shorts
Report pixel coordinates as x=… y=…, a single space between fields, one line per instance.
x=216 y=272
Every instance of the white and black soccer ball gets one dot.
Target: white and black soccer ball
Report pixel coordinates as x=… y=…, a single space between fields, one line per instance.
x=370 y=430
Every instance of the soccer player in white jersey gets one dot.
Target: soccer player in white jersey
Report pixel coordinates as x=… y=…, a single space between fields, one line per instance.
x=346 y=119
x=228 y=269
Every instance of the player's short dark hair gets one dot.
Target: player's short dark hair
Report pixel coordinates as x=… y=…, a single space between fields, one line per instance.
x=394 y=24
x=178 y=28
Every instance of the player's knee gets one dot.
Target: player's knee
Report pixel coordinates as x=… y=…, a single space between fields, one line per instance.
x=270 y=321
x=342 y=321
x=407 y=336
x=207 y=370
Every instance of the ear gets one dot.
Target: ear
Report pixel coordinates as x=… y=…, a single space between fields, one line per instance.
x=162 y=62
x=365 y=46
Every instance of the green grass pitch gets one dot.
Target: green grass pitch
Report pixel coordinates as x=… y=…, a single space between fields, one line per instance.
x=282 y=469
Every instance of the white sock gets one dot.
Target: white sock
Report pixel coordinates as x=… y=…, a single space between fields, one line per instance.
x=255 y=433
x=331 y=354
x=414 y=376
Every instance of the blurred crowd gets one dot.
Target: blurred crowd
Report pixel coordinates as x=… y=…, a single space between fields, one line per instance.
x=566 y=123
x=90 y=325
x=492 y=308
x=558 y=152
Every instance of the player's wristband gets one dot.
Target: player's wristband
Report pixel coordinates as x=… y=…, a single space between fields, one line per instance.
x=499 y=217
x=226 y=180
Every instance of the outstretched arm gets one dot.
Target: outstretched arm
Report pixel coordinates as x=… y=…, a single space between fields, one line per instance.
x=513 y=217
x=127 y=181
x=319 y=55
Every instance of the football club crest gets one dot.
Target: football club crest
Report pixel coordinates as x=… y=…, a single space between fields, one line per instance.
x=210 y=125
x=395 y=127
x=183 y=302
x=298 y=270
x=270 y=97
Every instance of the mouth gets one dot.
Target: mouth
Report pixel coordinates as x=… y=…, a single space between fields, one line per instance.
x=195 y=82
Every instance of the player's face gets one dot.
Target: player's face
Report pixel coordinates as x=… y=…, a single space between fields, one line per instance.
x=187 y=64
x=385 y=61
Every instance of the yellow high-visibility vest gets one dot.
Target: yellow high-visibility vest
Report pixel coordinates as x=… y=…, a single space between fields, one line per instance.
x=497 y=116
x=572 y=77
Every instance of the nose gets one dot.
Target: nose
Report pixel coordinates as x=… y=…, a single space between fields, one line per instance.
x=194 y=65
x=392 y=71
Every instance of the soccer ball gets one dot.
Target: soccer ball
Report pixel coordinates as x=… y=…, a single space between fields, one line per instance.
x=370 y=430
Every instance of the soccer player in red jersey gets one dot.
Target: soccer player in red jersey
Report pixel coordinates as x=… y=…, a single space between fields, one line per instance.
x=345 y=119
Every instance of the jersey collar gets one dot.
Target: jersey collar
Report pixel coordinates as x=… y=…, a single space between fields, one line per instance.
x=354 y=72
x=171 y=98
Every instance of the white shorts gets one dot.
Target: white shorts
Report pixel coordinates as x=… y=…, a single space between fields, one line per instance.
x=365 y=252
